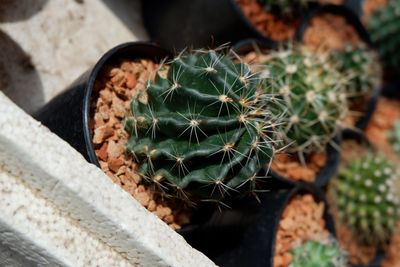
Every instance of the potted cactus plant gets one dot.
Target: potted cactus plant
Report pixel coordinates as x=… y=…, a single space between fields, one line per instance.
x=311 y=104
x=364 y=198
x=285 y=221
x=190 y=130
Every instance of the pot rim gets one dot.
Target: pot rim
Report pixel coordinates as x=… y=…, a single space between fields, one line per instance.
x=86 y=116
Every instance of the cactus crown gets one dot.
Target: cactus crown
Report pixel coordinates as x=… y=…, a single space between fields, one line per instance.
x=311 y=99
x=360 y=65
x=394 y=136
x=316 y=254
x=200 y=130
x=288 y=8
x=384 y=29
x=367 y=197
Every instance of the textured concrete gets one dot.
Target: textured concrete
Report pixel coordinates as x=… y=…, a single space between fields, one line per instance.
x=46 y=44
x=60 y=175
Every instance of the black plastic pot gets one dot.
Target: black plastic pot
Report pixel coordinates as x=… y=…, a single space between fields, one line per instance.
x=363 y=121
x=176 y=24
x=251 y=243
x=325 y=174
x=392 y=90
x=68 y=114
x=356 y=6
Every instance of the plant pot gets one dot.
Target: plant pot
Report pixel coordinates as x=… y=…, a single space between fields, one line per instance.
x=356 y=6
x=256 y=243
x=391 y=90
x=68 y=114
x=72 y=110
x=178 y=24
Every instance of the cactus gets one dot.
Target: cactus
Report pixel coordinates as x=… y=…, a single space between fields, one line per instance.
x=367 y=195
x=316 y=254
x=288 y=8
x=394 y=136
x=309 y=91
x=384 y=29
x=200 y=131
x=360 y=65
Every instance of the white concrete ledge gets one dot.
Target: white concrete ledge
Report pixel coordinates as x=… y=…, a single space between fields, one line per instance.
x=60 y=175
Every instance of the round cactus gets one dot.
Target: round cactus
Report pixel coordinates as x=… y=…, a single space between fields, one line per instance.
x=287 y=8
x=360 y=65
x=367 y=195
x=384 y=29
x=316 y=254
x=200 y=130
x=310 y=99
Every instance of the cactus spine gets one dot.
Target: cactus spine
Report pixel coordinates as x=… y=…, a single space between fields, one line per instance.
x=201 y=130
x=367 y=195
x=310 y=99
x=316 y=254
x=384 y=29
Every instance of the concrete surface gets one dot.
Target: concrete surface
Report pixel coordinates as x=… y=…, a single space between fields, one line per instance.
x=46 y=44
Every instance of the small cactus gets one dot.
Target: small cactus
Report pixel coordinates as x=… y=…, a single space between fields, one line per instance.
x=394 y=137
x=200 y=130
x=316 y=254
x=367 y=196
x=384 y=29
x=361 y=67
x=310 y=99
x=288 y=8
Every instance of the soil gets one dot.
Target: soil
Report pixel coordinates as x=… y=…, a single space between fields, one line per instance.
x=370 y=6
x=112 y=95
x=289 y=166
x=301 y=220
x=382 y=122
x=357 y=252
x=268 y=24
x=392 y=257
x=328 y=31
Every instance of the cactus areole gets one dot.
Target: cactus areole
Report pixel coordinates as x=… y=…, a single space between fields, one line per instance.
x=200 y=130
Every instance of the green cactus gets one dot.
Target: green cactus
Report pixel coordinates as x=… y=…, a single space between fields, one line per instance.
x=360 y=65
x=288 y=8
x=394 y=136
x=310 y=97
x=316 y=254
x=200 y=130
x=384 y=29
x=367 y=196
